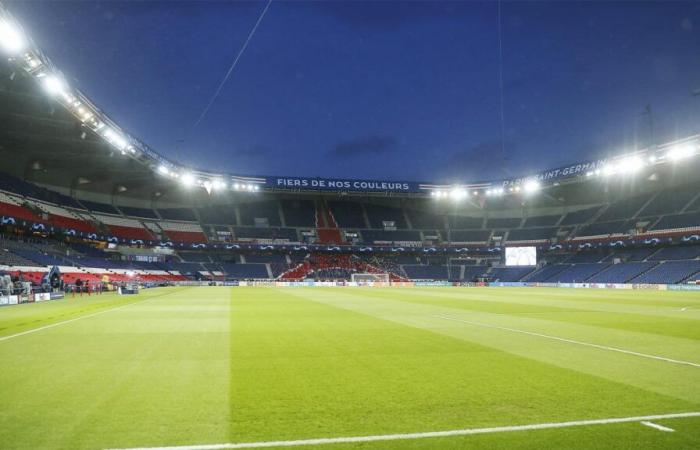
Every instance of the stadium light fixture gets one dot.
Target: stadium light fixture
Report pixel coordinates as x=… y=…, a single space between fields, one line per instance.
x=458 y=193
x=115 y=139
x=531 y=186
x=11 y=38
x=218 y=184
x=54 y=85
x=679 y=152
x=163 y=170
x=187 y=179
x=631 y=164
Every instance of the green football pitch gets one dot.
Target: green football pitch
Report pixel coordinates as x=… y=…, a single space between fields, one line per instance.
x=253 y=367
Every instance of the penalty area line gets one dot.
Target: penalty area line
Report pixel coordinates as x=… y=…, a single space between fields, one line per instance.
x=657 y=426
x=572 y=341
x=423 y=435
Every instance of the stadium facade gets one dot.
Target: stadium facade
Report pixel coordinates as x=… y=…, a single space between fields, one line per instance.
x=77 y=192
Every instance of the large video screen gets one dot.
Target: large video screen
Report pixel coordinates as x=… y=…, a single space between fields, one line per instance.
x=521 y=256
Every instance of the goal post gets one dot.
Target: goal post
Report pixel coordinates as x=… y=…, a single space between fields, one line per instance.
x=369 y=278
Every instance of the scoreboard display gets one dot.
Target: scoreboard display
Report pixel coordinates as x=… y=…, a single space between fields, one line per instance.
x=521 y=256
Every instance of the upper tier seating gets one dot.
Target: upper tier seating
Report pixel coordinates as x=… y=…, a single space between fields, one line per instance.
x=378 y=214
x=632 y=254
x=580 y=216
x=391 y=236
x=221 y=215
x=541 y=221
x=686 y=220
x=264 y=209
x=532 y=234
x=99 y=207
x=624 y=209
x=464 y=222
x=183 y=231
x=299 y=213
x=508 y=222
x=138 y=212
x=606 y=228
x=469 y=235
x=125 y=228
x=21 y=187
x=289 y=234
x=669 y=201
x=347 y=214
x=423 y=219
x=184 y=214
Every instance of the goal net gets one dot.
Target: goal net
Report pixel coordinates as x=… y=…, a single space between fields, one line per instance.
x=369 y=278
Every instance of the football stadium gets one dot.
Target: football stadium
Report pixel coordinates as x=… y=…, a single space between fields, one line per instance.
x=146 y=303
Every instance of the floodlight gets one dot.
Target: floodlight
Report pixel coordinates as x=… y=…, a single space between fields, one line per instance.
x=630 y=164
x=609 y=169
x=115 y=138
x=54 y=85
x=531 y=186
x=163 y=170
x=187 y=179
x=11 y=38
x=218 y=184
x=679 y=152
x=458 y=193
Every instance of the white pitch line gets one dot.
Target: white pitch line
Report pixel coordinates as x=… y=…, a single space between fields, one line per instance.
x=571 y=341
x=423 y=435
x=657 y=426
x=34 y=330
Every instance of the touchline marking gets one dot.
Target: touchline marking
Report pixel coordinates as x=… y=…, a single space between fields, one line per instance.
x=571 y=341
x=657 y=426
x=34 y=330
x=424 y=435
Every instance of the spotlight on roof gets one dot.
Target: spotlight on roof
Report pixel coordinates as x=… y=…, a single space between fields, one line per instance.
x=115 y=138
x=218 y=184
x=531 y=186
x=457 y=193
x=11 y=38
x=54 y=85
x=679 y=152
x=163 y=170
x=609 y=169
x=187 y=179
x=631 y=164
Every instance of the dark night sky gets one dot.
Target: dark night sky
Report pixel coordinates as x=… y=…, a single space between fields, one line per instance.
x=391 y=90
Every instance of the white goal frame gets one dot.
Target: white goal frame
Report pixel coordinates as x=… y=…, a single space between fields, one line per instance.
x=370 y=278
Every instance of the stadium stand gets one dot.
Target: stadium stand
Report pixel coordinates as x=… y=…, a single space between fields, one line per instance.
x=181 y=214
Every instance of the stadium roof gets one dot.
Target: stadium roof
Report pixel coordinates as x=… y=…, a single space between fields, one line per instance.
x=54 y=135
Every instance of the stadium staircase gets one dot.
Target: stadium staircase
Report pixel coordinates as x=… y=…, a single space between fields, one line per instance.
x=326 y=227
